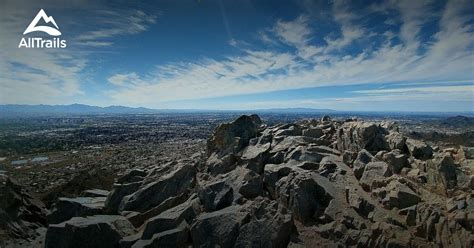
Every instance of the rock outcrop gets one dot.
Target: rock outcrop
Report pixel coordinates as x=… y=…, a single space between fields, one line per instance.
x=343 y=183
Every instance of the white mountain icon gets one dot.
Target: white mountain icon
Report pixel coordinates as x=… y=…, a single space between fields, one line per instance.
x=49 y=30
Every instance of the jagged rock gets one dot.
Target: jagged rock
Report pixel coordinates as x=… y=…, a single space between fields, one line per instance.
x=395 y=160
x=273 y=173
x=291 y=130
x=313 y=132
x=180 y=180
x=419 y=149
x=400 y=196
x=220 y=165
x=270 y=226
x=66 y=208
x=118 y=192
x=216 y=196
x=250 y=185
x=171 y=218
x=95 y=193
x=134 y=175
x=219 y=228
x=91 y=231
x=363 y=158
x=256 y=154
x=397 y=141
x=176 y=237
x=20 y=213
x=361 y=205
x=232 y=137
x=306 y=195
x=361 y=135
x=374 y=173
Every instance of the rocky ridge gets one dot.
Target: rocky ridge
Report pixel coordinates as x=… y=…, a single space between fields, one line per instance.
x=305 y=184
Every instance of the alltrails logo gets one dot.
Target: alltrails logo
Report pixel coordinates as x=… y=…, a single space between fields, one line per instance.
x=38 y=42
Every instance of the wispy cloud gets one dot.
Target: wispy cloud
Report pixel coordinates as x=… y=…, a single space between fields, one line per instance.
x=55 y=76
x=447 y=57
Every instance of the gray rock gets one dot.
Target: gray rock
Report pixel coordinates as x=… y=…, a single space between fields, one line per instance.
x=95 y=193
x=362 y=135
x=134 y=175
x=216 y=196
x=270 y=226
x=397 y=141
x=306 y=195
x=171 y=218
x=117 y=194
x=395 y=160
x=176 y=237
x=272 y=174
x=232 y=137
x=313 y=132
x=363 y=158
x=374 y=173
x=179 y=181
x=92 y=231
x=419 y=149
x=66 y=208
x=219 y=228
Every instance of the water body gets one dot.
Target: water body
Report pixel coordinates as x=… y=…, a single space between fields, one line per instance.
x=19 y=162
x=39 y=159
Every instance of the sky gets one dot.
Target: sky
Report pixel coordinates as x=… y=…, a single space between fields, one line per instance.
x=227 y=54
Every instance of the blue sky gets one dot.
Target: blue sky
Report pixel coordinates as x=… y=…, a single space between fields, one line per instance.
x=343 y=55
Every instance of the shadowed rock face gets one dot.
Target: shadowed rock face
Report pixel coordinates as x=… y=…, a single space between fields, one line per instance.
x=341 y=183
x=20 y=213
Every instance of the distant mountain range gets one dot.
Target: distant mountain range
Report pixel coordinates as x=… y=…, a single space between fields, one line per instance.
x=21 y=110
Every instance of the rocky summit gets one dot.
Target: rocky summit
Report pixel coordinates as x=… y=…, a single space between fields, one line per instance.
x=313 y=183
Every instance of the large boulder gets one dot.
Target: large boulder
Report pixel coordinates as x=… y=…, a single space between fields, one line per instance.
x=66 y=208
x=171 y=218
x=357 y=135
x=176 y=237
x=180 y=180
x=395 y=160
x=92 y=231
x=374 y=175
x=216 y=196
x=219 y=228
x=117 y=194
x=270 y=225
x=363 y=158
x=232 y=137
x=419 y=149
x=306 y=194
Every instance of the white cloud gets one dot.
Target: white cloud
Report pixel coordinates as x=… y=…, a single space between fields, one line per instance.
x=447 y=58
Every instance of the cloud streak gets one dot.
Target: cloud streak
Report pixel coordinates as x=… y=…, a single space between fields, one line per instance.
x=447 y=57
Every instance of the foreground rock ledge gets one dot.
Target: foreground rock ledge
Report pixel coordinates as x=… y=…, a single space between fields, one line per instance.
x=308 y=184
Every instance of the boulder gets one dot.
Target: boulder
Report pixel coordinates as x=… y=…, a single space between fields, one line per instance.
x=357 y=135
x=307 y=195
x=232 y=137
x=396 y=141
x=219 y=228
x=117 y=194
x=216 y=196
x=66 y=208
x=291 y=130
x=171 y=218
x=313 y=132
x=363 y=158
x=91 y=231
x=272 y=174
x=269 y=226
x=419 y=149
x=395 y=160
x=374 y=174
x=176 y=237
x=400 y=196
x=180 y=180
